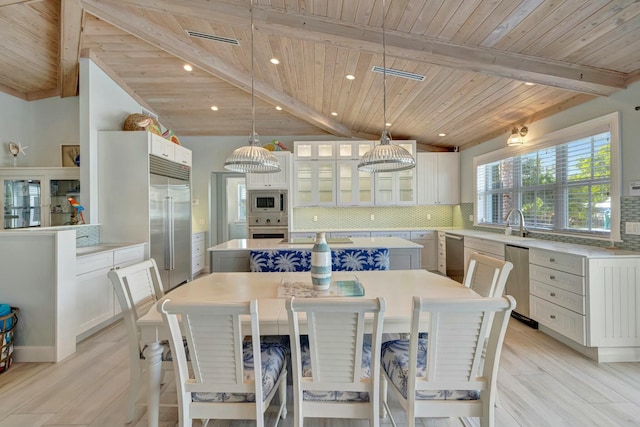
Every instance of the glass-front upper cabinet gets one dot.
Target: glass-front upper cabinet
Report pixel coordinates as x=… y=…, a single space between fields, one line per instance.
x=61 y=210
x=22 y=203
x=397 y=188
x=38 y=197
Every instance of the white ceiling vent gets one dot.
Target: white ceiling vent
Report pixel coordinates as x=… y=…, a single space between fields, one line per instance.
x=213 y=37
x=399 y=73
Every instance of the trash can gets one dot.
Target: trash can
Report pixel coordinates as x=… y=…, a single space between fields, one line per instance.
x=8 y=322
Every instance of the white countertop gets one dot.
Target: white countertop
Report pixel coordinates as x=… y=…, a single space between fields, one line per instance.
x=528 y=242
x=103 y=247
x=358 y=242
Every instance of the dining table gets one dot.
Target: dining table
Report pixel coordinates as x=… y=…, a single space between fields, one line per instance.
x=397 y=287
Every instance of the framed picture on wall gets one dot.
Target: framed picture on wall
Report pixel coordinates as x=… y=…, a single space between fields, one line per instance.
x=70 y=156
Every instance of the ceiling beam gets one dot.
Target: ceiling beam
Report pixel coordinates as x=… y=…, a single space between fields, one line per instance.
x=563 y=75
x=150 y=33
x=71 y=18
x=10 y=2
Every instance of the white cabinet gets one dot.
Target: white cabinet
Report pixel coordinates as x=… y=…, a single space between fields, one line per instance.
x=438 y=178
x=397 y=188
x=278 y=180
x=401 y=234
x=197 y=253
x=161 y=147
x=557 y=292
x=349 y=234
x=326 y=174
x=482 y=246
x=314 y=183
x=37 y=197
x=94 y=292
x=429 y=255
x=96 y=302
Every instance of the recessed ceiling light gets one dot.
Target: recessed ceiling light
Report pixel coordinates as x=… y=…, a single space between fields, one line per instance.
x=442 y=134
x=333 y=113
x=279 y=108
x=275 y=61
x=350 y=77
x=529 y=84
x=214 y=108
x=187 y=67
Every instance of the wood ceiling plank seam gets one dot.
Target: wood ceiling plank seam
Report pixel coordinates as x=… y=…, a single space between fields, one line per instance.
x=410 y=15
x=360 y=116
x=330 y=55
x=268 y=71
x=274 y=46
x=632 y=67
x=318 y=71
x=608 y=45
x=474 y=21
x=426 y=15
x=395 y=12
x=442 y=18
x=459 y=18
x=355 y=89
x=308 y=53
x=492 y=21
x=147 y=32
x=334 y=8
x=511 y=22
x=364 y=11
x=320 y=7
x=592 y=27
x=278 y=4
x=291 y=86
x=535 y=26
x=349 y=9
x=339 y=81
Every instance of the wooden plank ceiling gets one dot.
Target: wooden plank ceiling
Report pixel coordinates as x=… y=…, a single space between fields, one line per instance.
x=476 y=56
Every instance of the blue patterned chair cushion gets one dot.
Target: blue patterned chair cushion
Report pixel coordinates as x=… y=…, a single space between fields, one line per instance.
x=395 y=362
x=349 y=259
x=166 y=350
x=280 y=260
x=272 y=357
x=360 y=259
x=334 y=396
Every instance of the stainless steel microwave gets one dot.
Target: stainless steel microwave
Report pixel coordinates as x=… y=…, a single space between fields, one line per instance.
x=267 y=201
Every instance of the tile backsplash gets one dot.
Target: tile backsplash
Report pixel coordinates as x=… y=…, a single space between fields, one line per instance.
x=359 y=218
x=86 y=235
x=629 y=211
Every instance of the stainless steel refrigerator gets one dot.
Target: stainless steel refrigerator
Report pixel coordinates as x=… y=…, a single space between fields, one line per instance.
x=170 y=221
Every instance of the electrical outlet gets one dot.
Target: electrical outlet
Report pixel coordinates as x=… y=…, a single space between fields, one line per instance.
x=373 y=217
x=315 y=218
x=632 y=227
x=428 y=216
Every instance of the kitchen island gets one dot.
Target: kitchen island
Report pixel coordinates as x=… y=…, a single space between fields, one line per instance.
x=233 y=255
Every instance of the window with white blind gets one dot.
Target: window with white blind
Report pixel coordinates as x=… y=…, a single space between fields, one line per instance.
x=564 y=182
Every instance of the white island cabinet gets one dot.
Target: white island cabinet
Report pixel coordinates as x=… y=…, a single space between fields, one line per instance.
x=234 y=255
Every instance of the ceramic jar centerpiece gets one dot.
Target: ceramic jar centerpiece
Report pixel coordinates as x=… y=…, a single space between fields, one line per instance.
x=320 y=263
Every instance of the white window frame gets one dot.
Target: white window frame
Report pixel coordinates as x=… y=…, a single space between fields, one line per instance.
x=609 y=122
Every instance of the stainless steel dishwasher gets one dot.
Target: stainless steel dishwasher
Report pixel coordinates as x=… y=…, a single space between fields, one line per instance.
x=518 y=282
x=454 y=248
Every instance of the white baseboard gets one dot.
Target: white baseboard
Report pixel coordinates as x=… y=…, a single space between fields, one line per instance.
x=34 y=354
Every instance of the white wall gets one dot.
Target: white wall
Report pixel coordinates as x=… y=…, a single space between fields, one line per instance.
x=624 y=101
x=103 y=106
x=42 y=126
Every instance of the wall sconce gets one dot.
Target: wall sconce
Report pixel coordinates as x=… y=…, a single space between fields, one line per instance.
x=517 y=136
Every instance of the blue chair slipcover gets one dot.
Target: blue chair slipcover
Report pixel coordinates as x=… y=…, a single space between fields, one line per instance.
x=347 y=259
x=395 y=362
x=273 y=360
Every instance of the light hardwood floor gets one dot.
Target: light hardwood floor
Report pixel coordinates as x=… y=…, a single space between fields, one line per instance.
x=541 y=383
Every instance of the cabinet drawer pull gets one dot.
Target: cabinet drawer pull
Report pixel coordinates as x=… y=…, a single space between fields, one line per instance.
x=553 y=316
x=552 y=260
x=553 y=294
x=552 y=277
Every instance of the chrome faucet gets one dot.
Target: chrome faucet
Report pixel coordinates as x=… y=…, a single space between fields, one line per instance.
x=523 y=228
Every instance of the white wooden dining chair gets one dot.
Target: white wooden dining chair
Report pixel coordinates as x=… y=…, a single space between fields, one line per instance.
x=226 y=382
x=137 y=287
x=486 y=275
x=335 y=374
x=442 y=375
